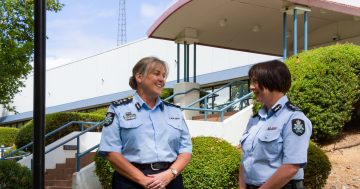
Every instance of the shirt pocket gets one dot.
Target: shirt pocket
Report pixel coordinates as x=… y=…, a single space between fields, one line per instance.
x=130 y=124
x=271 y=144
x=175 y=124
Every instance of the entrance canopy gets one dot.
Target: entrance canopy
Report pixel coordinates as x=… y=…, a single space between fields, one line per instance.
x=257 y=25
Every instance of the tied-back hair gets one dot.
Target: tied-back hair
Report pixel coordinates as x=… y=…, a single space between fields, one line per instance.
x=272 y=75
x=144 y=67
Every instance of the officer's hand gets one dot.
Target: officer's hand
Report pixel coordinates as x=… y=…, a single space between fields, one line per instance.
x=146 y=181
x=160 y=180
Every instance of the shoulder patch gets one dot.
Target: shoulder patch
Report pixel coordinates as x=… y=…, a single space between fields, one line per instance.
x=292 y=107
x=298 y=126
x=122 y=101
x=109 y=118
x=170 y=104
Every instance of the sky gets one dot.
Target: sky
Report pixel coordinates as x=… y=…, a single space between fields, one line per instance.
x=87 y=27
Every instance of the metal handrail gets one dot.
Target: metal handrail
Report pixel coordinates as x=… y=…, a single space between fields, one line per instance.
x=181 y=93
x=206 y=96
x=80 y=155
x=221 y=111
x=48 y=135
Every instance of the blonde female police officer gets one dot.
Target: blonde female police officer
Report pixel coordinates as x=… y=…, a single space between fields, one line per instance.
x=276 y=139
x=146 y=139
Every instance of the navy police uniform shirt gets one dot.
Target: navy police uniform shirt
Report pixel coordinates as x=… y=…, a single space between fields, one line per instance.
x=271 y=139
x=145 y=135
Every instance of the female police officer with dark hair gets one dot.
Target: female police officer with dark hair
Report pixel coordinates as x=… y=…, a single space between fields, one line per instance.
x=146 y=139
x=276 y=139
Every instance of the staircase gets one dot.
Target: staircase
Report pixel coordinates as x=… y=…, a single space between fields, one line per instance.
x=213 y=117
x=61 y=176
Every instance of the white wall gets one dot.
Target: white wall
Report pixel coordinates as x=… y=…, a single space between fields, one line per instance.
x=109 y=72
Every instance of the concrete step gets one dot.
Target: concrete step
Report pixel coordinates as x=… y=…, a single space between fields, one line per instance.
x=61 y=176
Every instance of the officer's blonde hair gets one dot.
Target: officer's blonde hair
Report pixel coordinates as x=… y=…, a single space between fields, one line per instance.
x=144 y=67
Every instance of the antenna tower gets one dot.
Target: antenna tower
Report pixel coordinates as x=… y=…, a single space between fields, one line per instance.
x=121 y=34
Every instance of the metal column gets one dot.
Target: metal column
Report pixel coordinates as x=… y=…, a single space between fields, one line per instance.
x=185 y=64
x=284 y=37
x=194 y=62
x=178 y=63
x=295 y=33
x=38 y=167
x=306 y=30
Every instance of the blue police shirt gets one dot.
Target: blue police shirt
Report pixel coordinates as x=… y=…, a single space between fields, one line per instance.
x=145 y=135
x=271 y=139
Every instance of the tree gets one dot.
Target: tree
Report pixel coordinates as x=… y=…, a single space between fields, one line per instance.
x=17 y=45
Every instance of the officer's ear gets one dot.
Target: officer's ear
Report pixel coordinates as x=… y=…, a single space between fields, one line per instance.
x=138 y=77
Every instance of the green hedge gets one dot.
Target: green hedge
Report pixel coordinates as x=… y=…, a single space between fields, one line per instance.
x=8 y=135
x=215 y=164
x=14 y=176
x=53 y=121
x=326 y=87
x=317 y=169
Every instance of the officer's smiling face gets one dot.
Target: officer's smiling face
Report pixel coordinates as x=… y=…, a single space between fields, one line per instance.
x=153 y=82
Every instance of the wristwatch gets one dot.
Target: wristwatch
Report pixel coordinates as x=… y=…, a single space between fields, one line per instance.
x=173 y=171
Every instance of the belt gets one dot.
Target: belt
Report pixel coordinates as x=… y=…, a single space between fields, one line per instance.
x=293 y=184
x=153 y=166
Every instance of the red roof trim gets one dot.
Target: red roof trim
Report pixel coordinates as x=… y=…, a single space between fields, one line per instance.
x=330 y=5
x=165 y=15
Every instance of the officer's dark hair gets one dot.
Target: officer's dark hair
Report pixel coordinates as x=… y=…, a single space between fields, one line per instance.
x=144 y=67
x=272 y=75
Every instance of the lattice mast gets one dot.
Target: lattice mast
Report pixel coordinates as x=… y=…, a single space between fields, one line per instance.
x=121 y=34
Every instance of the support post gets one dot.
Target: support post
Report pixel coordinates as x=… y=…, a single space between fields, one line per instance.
x=306 y=30
x=194 y=62
x=178 y=63
x=295 y=33
x=38 y=168
x=284 y=37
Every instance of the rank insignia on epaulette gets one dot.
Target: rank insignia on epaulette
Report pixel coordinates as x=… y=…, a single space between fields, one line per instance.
x=109 y=119
x=277 y=108
x=122 y=101
x=298 y=126
x=129 y=116
x=292 y=107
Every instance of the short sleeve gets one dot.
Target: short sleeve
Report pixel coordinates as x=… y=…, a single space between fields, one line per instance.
x=185 y=139
x=296 y=136
x=110 y=136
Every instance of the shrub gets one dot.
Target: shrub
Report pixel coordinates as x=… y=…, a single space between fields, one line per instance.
x=8 y=135
x=317 y=169
x=14 y=176
x=104 y=171
x=215 y=164
x=326 y=87
x=53 y=121
x=101 y=111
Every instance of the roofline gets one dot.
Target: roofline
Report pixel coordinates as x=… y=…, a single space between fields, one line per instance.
x=330 y=5
x=166 y=14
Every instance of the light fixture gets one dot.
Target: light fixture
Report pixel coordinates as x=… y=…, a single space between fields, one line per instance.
x=222 y=22
x=256 y=28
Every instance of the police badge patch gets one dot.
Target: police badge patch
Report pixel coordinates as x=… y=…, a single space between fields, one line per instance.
x=298 y=126
x=109 y=119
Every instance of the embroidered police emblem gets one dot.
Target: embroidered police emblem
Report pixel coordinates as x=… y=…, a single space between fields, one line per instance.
x=109 y=119
x=129 y=116
x=298 y=126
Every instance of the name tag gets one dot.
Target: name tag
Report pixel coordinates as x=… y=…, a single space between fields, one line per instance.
x=129 y=116
x=271 y=128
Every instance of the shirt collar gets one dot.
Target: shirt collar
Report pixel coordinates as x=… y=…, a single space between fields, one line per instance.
x=275 y=109
x=139 y=103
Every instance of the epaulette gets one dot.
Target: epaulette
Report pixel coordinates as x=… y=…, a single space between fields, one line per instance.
x=170 y=104
x=292 y=107
x=122 y=101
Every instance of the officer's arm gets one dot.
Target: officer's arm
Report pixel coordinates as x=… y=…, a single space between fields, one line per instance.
x=242 y=183
x=281 y=177
x=125 y=168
